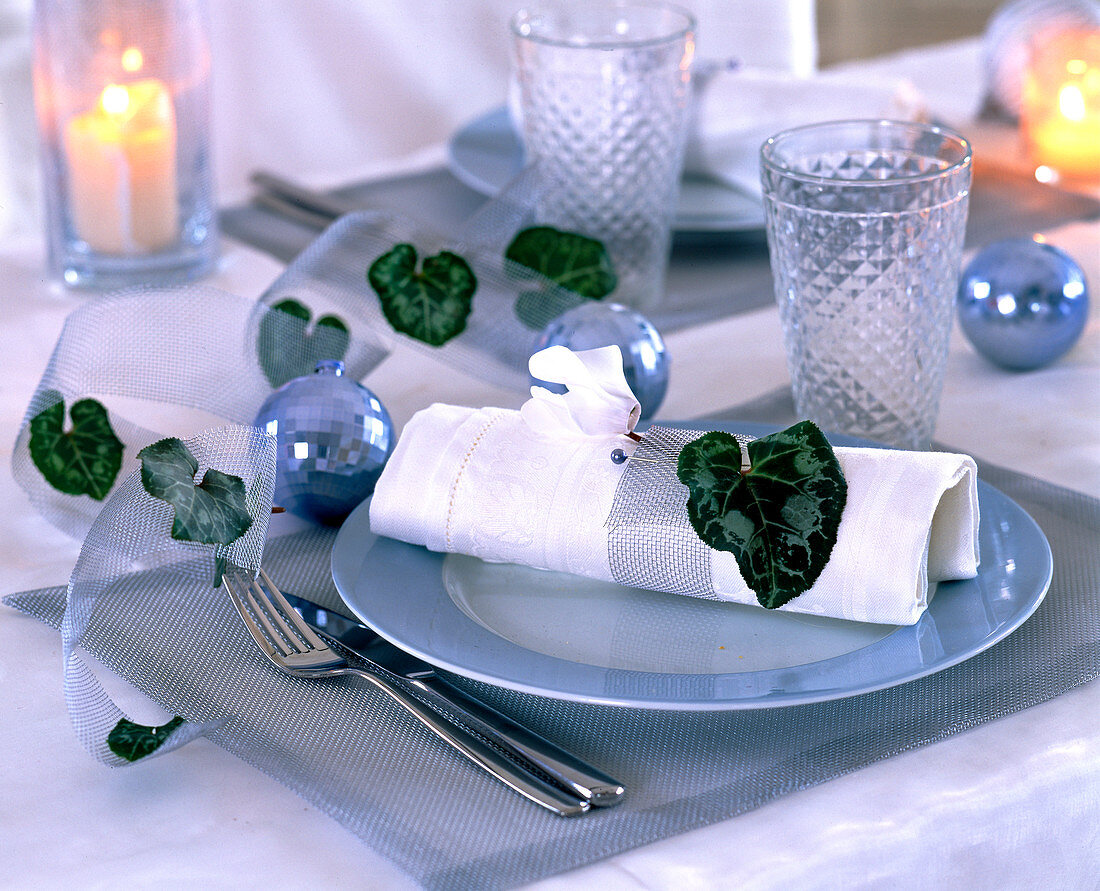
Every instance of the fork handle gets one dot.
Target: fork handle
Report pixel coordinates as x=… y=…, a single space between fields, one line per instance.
x=582 y=779
x=481 y=753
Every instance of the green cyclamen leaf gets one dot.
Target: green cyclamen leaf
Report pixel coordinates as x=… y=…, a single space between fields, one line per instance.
x=572 y=261
x=286 y=346
x=432 y=304
x=213 y=512
x=134 y=741
x=83 y=461
x=780 y=518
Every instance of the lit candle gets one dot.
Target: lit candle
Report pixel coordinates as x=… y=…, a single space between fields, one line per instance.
x=121 y=159
x=1061 y=107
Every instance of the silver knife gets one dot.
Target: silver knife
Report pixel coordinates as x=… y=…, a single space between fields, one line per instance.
x=564 y=768
x=305 y=206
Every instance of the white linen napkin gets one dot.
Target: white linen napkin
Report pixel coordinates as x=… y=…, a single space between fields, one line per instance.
x=737 y=109
x=536 y=486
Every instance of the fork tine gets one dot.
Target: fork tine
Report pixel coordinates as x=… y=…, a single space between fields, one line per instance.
x=281 y=634
x=299 y=625
x=242 y=599
x=279 y=631
x=273 y=622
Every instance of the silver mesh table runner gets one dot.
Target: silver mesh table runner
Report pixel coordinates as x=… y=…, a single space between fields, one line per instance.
x=349 y=751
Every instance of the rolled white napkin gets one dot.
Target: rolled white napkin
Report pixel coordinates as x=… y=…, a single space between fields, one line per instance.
x=737 y=109
x=536 y=487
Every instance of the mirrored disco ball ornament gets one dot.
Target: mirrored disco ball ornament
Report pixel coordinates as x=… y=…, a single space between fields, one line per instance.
x=1022 y=303
x=592 y=325
x=334 y=438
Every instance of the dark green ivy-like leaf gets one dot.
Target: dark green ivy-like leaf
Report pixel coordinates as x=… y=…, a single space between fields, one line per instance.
x=431 y=304
x=134 y=741
x=537 y=309
x=572 y=261
x=213 y=512
x=780 y=517
x=288 y=349
x=83 y=461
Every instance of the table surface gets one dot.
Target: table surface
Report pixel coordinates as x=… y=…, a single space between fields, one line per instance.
x=1013 y=803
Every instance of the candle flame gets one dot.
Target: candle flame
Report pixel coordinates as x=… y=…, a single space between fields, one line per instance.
x=115 y=99
x=132 y=59
x=1071 y=102
x=1046 y=174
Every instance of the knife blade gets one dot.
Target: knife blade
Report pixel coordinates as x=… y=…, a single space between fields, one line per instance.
x=563 y=767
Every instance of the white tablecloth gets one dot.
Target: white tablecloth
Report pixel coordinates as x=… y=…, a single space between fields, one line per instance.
x=1011 y=804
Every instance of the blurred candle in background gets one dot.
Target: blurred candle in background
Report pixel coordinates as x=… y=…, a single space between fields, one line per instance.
x=122 y=93
x=121 y=158
x=1061 y=105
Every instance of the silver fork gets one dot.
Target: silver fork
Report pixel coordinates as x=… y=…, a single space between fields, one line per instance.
x=296 y=649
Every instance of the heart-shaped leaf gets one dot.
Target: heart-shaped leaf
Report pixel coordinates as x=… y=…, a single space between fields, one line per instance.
x=83 y=461
x=780 y=517
x=213 y=512
x=286 y=346
x=536 y=309
x=134 y=741
x=431 y=304
x=572 y=261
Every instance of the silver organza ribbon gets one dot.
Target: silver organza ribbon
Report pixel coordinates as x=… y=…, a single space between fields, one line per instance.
x=172 y=361
x=510 y=306
x=129 y=556
x=180 y=356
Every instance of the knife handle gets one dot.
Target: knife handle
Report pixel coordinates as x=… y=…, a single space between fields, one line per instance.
x=480 y=750
x=584 y=780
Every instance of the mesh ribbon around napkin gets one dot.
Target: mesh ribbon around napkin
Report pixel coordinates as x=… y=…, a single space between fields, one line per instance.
x=538 y=487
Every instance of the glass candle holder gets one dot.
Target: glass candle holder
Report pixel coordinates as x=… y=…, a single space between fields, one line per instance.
x=122 y=94
x=1061 y=105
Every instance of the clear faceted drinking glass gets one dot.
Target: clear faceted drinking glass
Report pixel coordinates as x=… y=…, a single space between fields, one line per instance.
x=604 y=92
x=865 y=224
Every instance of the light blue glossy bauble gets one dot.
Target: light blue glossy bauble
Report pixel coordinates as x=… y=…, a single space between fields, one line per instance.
x=592 y=325
x=1022 y=303
x=334 y=438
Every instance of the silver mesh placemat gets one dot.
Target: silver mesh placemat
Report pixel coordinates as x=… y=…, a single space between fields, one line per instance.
x=346 y=749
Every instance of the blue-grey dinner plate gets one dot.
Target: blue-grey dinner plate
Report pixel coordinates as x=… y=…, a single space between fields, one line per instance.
x=571 y=638
x=487 y=153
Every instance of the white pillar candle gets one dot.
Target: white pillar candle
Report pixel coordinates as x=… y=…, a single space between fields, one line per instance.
x=1061 y=104
x=121 y=159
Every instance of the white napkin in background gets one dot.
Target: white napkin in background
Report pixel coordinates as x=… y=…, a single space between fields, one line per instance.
x=487 y=483
x=737 y=109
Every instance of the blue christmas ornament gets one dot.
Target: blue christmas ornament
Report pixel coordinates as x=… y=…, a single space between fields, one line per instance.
x=1022 y=303
x=334 y=438
x=592 y=325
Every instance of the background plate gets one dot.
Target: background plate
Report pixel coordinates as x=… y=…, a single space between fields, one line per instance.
x=570 y=638
x=487 y=153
